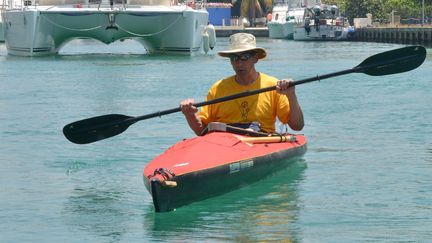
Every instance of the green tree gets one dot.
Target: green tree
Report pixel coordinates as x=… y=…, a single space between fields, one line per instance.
x=381 y=9
x=359 y=8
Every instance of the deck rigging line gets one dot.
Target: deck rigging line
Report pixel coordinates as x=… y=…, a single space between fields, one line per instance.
x=152 y=34
x=67 y=28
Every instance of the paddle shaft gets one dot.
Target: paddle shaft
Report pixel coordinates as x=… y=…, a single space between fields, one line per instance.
x=254 y=92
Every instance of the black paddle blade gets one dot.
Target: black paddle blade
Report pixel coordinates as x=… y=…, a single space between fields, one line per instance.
x=395 y=61
x=96 y=128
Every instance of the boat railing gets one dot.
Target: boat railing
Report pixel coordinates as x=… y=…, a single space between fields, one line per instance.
x=20 y=4
x=12 y=4
x=343 y=22
x=92 y=3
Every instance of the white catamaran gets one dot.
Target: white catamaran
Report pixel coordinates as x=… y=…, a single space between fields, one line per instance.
x=43 y=27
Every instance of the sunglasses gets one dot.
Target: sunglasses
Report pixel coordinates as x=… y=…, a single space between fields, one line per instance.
x=242 y=57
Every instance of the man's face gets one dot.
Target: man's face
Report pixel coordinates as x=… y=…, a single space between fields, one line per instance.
x=243 y=62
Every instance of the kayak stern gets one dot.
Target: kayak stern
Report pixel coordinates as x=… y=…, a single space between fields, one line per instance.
x=171 y=190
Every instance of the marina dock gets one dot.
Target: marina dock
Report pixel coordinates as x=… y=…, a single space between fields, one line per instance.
x=403 y=35
x=225 y=31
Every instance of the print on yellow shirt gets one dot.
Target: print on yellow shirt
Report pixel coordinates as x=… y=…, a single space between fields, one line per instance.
x=262 y=108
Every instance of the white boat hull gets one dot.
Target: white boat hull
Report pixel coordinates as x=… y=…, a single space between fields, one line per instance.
x=281 y=30
x=323 y=33
x=1 y=30
x=45 y=30
x=1 y=33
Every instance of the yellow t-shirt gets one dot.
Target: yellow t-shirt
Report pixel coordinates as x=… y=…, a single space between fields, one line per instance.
x=263 y=107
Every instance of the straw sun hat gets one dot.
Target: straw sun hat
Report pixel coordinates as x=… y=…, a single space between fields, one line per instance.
x=242 y=42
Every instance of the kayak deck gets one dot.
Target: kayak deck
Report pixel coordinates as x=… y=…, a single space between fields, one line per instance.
x=202 y=167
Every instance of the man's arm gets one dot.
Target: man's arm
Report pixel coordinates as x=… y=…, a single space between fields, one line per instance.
x=295 y=121
x=191 y=114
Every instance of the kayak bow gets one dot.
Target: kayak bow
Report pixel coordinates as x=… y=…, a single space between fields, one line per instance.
x=202 y=167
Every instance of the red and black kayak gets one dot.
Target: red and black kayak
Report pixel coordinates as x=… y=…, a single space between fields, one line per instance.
x=216 y=163
x=205 y=166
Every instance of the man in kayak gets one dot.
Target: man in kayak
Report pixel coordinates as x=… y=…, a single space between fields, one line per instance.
x=260 y=110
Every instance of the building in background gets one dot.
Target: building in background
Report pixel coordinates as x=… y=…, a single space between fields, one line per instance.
x=241 y=12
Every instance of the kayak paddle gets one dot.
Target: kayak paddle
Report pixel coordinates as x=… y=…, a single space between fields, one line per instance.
x=385 y=63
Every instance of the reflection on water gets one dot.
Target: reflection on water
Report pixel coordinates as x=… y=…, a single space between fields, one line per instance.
x=95 y=211
x=105 y=204
x=262 y=211
x=429 y=154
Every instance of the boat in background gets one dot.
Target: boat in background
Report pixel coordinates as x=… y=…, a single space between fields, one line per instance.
x=277 y=27
x=322 y=23
x=43 y=27
x=2 y=6
x=1 y=30
x=285 y=16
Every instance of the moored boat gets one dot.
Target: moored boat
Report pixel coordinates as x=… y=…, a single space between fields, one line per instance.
x=2 y=6
x=216 y=163
x=43 y=27
x=285 y=17
x=1 y=31
x=277 y=26
x=322 y=23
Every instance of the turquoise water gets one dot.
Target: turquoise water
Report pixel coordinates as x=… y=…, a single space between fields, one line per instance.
x=366 y=175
